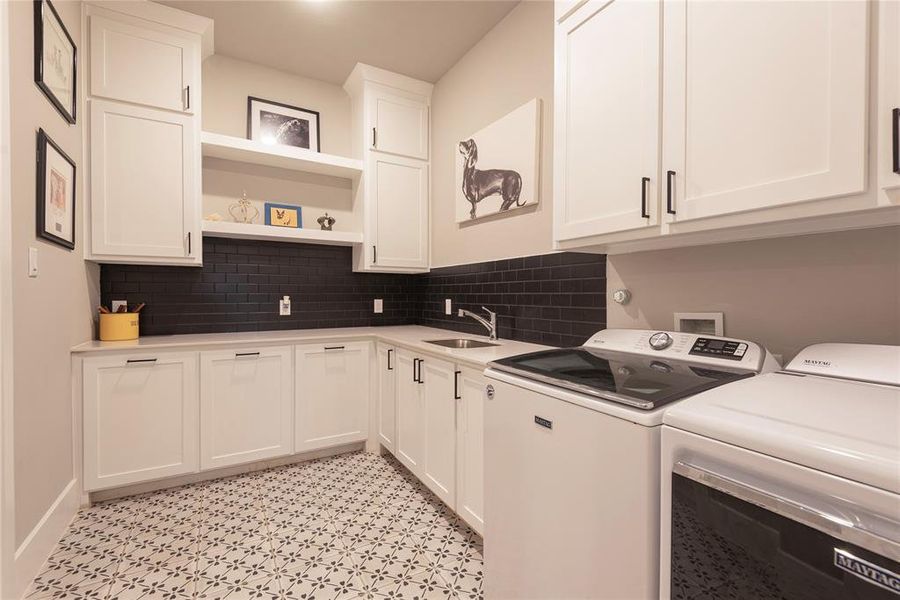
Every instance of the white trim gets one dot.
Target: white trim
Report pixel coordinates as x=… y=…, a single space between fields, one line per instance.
x=7 y=466
x=39 y=544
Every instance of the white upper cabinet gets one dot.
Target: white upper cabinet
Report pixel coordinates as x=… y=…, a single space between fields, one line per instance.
x=332 y=394
x=140 y=418
x=144 y=184
x=246 y=405
x=888 y=121
x=147 y=64
x=399 y=123
x=765 y=104
x=387 y=396
x=608 y=102
x=398 y=226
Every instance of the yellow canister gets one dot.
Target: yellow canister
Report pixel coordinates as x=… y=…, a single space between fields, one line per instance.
x=118 y=326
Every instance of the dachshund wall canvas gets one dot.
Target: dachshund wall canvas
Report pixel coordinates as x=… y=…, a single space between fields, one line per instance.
x=497 y=167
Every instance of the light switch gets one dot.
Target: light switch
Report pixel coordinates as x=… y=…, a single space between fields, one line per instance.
x=32 y=262
x=448 y=307
x=378 y=306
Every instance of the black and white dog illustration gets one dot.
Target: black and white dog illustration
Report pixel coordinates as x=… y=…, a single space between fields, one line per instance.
x=478 y=184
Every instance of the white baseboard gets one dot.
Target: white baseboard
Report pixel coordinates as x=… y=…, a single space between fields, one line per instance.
x=37 y=547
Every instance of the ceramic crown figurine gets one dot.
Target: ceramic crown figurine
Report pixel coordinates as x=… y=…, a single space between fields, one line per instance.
x=325 y=222
x=246 y=212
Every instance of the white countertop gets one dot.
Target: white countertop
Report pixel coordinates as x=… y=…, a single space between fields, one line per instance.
x=409 y=336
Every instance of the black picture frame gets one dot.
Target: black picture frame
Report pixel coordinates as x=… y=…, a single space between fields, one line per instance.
x=318 y=118
x=43 y=143
x=67 y=112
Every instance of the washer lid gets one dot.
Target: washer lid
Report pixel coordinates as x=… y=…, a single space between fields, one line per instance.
x=839 y=426
x=862 y=362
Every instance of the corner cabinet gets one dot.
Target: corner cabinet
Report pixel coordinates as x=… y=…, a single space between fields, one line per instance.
x=331 y=394
x=391 y=129
x=144 y=134
x=141 y=418
x=732 y=120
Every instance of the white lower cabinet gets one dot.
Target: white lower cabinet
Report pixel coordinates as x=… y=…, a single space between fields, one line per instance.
x=470 y=386
x=140 y=418
x=331 y=394
x=410 y=445
x=246 y=405
x=439 y=411
x=387 y=396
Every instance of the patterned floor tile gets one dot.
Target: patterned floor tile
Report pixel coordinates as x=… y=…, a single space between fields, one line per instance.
x=352 y=526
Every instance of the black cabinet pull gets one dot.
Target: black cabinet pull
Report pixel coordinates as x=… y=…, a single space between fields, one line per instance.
x=420 y=371
x=246 y=354
x=390 y=368
x=374 y=254
x=188 y=104
x=334 y=347
x=374 y=138
x=644 y=182
x=415 y=364
x=189 y=244
x=670 y=183
x=456 y=395
x=896 y=113
x=141 y=360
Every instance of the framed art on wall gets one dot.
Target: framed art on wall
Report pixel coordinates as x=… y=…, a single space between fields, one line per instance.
x=283 y=215
x=55 y=193
x=275 y=123
x=54 y=59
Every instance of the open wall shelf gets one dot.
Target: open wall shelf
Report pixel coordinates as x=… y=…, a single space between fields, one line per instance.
x=243 y=231
x=216 y=145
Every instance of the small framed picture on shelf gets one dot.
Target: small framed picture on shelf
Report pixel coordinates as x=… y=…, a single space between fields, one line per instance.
x=55 y=193
x=54 y=59
x=283 y=215
x=275 y=123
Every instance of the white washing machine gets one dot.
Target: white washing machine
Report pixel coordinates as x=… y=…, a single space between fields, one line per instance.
x=572 y=439
x=787 y=486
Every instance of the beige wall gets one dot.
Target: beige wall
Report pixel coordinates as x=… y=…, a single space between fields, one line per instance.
x=785 y=293
x=227 y=83
x=55 y=310
x=512 y=64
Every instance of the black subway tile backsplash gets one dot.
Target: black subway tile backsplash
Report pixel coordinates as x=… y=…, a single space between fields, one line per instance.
x=553 y=299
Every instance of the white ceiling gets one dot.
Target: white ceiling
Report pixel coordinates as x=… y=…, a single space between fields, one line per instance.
x=324 y=39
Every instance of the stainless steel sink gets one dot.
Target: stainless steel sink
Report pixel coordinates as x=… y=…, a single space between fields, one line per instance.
x=461 y=343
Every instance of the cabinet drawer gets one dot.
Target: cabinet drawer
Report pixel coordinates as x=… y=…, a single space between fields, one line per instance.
x=143 y=64
x=140 y=418
x=246 y=405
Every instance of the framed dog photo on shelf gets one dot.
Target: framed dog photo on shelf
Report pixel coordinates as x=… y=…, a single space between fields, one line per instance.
x=55 y=193
x=54 y=59
x=283 y=215
x=275 y=123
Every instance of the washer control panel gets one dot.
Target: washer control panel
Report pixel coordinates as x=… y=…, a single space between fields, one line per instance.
x=716 y=348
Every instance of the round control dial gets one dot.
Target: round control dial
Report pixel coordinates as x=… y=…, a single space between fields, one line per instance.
x=660 y=341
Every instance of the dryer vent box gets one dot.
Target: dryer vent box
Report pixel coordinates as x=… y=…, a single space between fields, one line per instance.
x=701 y=323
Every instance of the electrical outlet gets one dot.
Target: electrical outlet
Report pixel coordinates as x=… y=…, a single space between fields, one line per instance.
x=448 y=307
x=284 y=306
x=378 y=306
x=117 y=303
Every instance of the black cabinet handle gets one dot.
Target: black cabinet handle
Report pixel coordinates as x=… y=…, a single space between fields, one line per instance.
x=670 y=183
x=456 y=395
x=896 y=113
x=390 y=368
x=188 y=106
x=374 y=138
x=644 y=182
x=420 y=371
x=374 y=254
x=334 y=347
x=189 y=244
x=141 y=360
x=415 y=365
x=246 y=354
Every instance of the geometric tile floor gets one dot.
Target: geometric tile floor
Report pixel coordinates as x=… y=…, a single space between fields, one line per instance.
x=351 y=526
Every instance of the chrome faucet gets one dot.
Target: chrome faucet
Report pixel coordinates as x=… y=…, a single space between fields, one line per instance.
x=490 y=325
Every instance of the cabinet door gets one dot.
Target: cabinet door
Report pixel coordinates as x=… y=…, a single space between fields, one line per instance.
x=149 y=65
x=143 y=183
x=889 y=96
x=332 y=394
x=140 y=418
x=399 y=220
x=470 y=385
x=765 y=104
x=399 y=124
x=246 y=406
x=439 y=469
x=607 y=144
x=410 y=414
x=387 y=396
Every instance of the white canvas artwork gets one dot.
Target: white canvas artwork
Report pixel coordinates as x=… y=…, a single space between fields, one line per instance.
x=497 y=168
